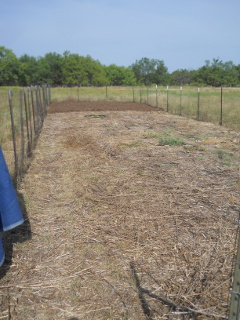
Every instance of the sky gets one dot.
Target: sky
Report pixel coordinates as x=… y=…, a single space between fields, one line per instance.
x=182 y=33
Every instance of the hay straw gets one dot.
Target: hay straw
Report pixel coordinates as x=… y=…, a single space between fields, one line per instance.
x=102 y=194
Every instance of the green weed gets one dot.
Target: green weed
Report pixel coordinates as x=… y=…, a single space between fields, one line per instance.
x=171 y=141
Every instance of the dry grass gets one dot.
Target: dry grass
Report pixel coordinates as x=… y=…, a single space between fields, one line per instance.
x=123 y=227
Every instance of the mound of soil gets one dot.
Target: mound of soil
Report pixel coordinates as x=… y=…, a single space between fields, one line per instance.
x=75 y=106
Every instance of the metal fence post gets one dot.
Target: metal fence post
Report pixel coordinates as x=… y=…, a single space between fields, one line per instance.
x=221 y=107
x=180 y=101
x=167 y=99
x=198 y=104
x=156 y=95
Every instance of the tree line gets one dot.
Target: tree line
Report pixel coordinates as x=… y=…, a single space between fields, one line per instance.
x=71 y=69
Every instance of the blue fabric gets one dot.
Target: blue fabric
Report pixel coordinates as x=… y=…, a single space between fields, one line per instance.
x=10 y=211
x=1 y=253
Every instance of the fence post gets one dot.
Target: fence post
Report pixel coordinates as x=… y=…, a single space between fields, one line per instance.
x=198 y=104
x=49 y=94
x=106 y=93
x=30 y=117
x=235 y=294
x=156 y=95
x=33 y=111
x=167 y=99
x=180 y=101
x=27 y=121
x=41 y=109
x=10 y=94
x=44 y=102
x=133 y=95
x=22 y=135
x=37 y=110
x=221 y=108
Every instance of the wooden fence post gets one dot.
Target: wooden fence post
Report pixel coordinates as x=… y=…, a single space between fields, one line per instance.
x=235 y=294
x=27 y=121
x=10 y=94
x=33 y=112
x=22 y=153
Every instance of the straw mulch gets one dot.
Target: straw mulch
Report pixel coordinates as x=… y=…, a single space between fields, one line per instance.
x=123 y=222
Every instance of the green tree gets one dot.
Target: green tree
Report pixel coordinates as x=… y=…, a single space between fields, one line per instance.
x=9 y=67
x=73 y=70
x=43 y=72
x=95 y=72
x=181 y=77
x=148 y=71
x=27 y=70
x=120 y=76
x=160 y=75
x=55 y=66
x=129 y=77
x=216 y=74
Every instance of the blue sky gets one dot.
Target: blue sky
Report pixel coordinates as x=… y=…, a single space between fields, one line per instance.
x=182 y=33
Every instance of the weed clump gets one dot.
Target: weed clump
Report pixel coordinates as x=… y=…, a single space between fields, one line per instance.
x=170 y=141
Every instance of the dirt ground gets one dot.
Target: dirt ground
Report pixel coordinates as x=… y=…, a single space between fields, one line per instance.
x=131 y=213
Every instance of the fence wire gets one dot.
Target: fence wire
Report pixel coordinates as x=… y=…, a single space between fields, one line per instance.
x=21 y=124
x=216 y=105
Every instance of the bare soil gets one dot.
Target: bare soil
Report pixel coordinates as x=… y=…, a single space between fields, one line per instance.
x=75 y=106
x=132 y=213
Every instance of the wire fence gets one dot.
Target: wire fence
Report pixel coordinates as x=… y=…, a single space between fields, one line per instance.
x=21 y=123
x=22 y=116
x=216 y=105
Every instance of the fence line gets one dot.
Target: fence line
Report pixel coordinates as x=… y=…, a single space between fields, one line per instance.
x=217 y=105
x=27 y=109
